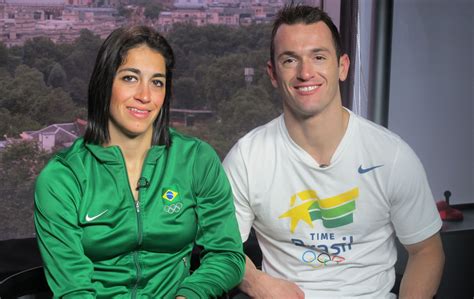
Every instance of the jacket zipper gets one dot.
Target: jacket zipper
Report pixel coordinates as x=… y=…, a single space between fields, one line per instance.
x=139 y=241
x=139 y=229
x=185 y=262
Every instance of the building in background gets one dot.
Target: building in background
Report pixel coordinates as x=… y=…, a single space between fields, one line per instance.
x=56 y=136
x=62 y=20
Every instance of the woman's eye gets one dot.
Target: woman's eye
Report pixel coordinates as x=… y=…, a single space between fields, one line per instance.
x=158 y=83
x=129 y=78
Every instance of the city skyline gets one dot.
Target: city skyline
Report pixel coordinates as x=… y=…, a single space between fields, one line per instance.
x=62 y=20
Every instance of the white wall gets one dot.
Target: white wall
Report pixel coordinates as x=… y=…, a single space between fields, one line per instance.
x=361 y=61
x=431 y=90
x=431 y=87
x=333 y=9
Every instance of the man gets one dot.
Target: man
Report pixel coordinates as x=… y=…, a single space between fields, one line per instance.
x=326 y=190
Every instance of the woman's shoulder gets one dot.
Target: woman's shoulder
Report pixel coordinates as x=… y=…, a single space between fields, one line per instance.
x=65 y=159
x=184 y=143
x=183 y=139
x=71 y=155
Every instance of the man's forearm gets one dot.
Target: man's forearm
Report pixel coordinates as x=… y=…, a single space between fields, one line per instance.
x=250 y=277
x=258 y=284
x=424 y=269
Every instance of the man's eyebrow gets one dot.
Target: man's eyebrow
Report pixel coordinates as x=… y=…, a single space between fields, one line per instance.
x=294 y=54
x=319 y=50
x=138 y=72
x=287 y=53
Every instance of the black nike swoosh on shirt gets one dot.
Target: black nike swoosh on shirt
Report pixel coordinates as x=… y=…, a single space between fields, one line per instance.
x=365 y=170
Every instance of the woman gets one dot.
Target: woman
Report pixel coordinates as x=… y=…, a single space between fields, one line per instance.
x=117 y=214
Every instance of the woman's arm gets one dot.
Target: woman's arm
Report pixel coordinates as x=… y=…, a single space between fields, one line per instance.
x=68 y=270
x=222 y=263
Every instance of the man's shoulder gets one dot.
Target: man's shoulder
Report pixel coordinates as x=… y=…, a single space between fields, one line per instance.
x=263 y=133
x=378 y=141
x=257 y=143
x=372 y=132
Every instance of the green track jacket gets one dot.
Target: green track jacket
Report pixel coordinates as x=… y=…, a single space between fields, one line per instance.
x=97 y=243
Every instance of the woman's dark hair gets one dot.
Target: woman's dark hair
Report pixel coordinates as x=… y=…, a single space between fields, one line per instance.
x=111 y=55
x=292 y=14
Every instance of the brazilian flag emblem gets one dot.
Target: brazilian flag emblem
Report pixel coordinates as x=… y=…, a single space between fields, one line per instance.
x=334 y=211
x=170 y=194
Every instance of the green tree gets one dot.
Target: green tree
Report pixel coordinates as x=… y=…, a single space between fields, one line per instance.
x=223 y=77
x=3 y=55
x=185 y=96
x=78 y=90
x=152 y=10
x=20 y=92
x=27 y=84
x=13 y=124
x=10 y=58
x=80 y=62
x=40 y=47
x=27 y=95
x=247 y=109
x=215 y=40
x=44 y=65
x=20 y=163
x=57 y=76
x=54 y=107
x=5 y=79
x=124 y=11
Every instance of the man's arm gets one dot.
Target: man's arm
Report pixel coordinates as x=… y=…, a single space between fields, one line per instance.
x=424 y=269
x=258 y=284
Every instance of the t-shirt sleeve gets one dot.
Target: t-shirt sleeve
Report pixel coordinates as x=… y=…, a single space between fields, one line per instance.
x=413 y=211
x=235 y=167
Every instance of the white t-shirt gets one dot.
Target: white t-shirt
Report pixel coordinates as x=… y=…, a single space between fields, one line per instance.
x=331 y=229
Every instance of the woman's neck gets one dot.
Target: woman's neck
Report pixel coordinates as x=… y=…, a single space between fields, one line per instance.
x=134 y=149
x=134 y=152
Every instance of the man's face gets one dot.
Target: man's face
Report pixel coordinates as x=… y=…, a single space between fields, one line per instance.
x=306 y=70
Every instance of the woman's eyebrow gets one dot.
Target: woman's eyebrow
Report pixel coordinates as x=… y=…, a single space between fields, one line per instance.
x=138 y=72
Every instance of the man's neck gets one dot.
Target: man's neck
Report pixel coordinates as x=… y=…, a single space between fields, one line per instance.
x=320 y=134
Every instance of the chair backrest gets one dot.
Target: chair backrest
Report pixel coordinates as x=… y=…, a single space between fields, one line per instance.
x=17 y=255
x=458 y=273
x=31 y=281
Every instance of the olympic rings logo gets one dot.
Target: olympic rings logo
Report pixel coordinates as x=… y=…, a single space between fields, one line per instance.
x=173 y=208
x=320 y=260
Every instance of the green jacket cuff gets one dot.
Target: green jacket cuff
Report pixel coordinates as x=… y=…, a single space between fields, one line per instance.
x=189 y=293
x=79 y=295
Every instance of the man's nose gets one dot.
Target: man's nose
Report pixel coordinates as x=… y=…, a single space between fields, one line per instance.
x=305 y=70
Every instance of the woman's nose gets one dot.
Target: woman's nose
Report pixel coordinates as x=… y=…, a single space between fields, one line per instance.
x=143 y=93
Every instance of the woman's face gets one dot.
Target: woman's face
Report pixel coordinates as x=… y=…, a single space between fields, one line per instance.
x=138 y=93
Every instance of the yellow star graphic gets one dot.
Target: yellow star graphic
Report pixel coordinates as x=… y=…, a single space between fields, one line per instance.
x=298 y=213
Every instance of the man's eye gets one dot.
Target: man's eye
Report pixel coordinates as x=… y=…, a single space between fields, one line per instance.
x=320 y=57
x=288 y=60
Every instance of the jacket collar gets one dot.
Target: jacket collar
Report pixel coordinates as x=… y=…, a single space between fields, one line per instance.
x=113 y=154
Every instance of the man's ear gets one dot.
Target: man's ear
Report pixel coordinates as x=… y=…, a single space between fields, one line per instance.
x=344 y=64
x=272 y=74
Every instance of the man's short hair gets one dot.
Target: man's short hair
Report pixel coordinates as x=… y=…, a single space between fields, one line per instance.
x=302 y=14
